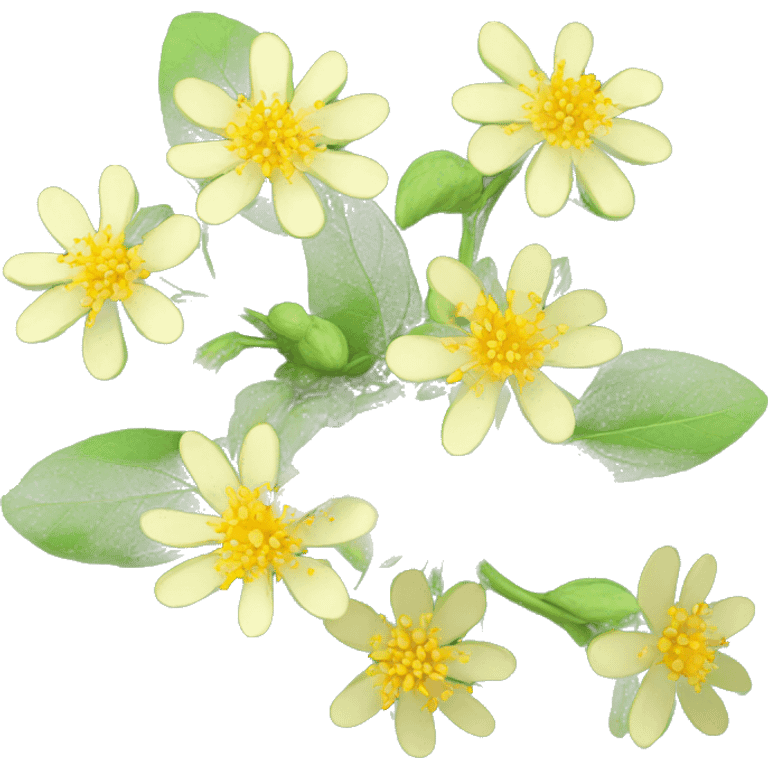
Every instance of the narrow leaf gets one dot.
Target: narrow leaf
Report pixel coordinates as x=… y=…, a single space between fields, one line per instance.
x=358 y=553
x=143 y=221
x=390 y=561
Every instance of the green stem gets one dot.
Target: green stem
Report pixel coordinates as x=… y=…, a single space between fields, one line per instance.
x=256 y=341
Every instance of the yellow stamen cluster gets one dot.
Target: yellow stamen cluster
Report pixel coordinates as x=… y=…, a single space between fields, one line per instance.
x=410 y=657
x=566 y=111
x=255 y=538
x=271 y=136
x=686 y=645
x=503 y=344
x=107 y=269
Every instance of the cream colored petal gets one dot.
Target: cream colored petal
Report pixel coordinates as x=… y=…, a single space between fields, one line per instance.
x=209 y=467
x=202 y=159
x=731 y=615
x=621 y=654
x=547 y=408
x=170 y=243
x=204 y=103
x=729 y=675
x=604 y=182
x=705 y=709
x=335 y=522
x=118 y=198
x=180 y=529
x=226 y=196
x=548 y=180
x=104 y=350
x=323 y=81
x=410 y=595
x=350 y=174
x=656 y=590
x=652 y=707
x=461 y=610
x=635 y=142
x=358 y=626
x=256 y=606
x=349 y=119
x=155 y=316
x=585 y=347
x=63 y=216
x=260 y=457
x=576 y=309
x=469 y=418
x=271 y=67
x=491 y=150
x=50 y=314
x=317 y=588
x=465 y=711
x=530 y=272
x=504 y=53
x=632 y=88
x=37 y=270
x=189 y=581
x=414 y=725
x=422 y=358
x=297 y=205
x=358 y=702
x=481 y=661
x=698 y=582
x=452 y=280
x=491 y=103
x=574 y=44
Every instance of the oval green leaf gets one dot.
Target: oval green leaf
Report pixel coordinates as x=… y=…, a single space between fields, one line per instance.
x=594 y=601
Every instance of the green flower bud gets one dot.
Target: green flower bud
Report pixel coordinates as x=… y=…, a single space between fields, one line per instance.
x=289 y=320
x=324 y=346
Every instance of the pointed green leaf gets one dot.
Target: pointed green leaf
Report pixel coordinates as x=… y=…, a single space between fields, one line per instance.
x=594 y=601
x=143 y=221
x=390 y=561
x=358 y=553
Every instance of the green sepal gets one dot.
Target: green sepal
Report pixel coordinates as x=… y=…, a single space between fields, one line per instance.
x=439 y=308
x=437 y=585
x=358 y=553
x=144 y=220
x=594 y=601
x=390 y=561
x=432 y=328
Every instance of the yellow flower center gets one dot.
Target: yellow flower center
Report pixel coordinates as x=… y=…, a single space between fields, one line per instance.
x=107 y=269
x=565 y=111
x=409 y=658
x=272 y=136
x=255 y=537
x=503 y=344
x=686 y=644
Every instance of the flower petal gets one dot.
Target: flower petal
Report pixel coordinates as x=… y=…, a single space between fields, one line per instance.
x=260 y=457
x=414 y=725
x=209 y=467
x=455 y=282
x=317 y=588
x=576 y=309
x=63 y=216
x=469 y=418
x=180 y=529
x=155 y=316
x=487 y=661
x=491 y=149
x=652 y=707
x=465 y=711
x=357 y=626
x=348 y=173
x=50 y=314
x=349 y=119
x=529 y=273
x=271 y=67
x=548 y=180
x=462 y=608
x=491 y=103
x=547 y=408
x=422 y=358
x=574 y=44
x=731 y=615
x=323 y=82
x=297 y=205
x=705 y=709
x=505 y=54
x=585 y=347
x=635 y=142
x=189 y=581
x=226 y=196
x=604 y=183
x=632 y=88
x=104 y=350
x=358 y=702
x=729 y=675
x=256 y=606
x=621 y=654
x=335 y=522
x=170 y=243
x=202 y=159
x=656 y=590
x=204 y=103
x=37 y=270
x=118 y=198
x=410 y=595
x=698 y=582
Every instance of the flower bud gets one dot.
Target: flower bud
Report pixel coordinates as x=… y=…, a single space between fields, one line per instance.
x=324 y=346
x=289 y=320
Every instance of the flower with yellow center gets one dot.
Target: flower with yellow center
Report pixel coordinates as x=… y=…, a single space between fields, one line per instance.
x=572 y=115
x=97 y=271
x=503 y=342
x=257 y=539
x=279 y=134
x=682 y=652
x=420 y=662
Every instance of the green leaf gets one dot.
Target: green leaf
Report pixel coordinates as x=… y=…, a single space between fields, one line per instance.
x=624 y=690
x=358 y=553
x=145 y=220
x=594 y=601
x=390 y=561
x=485 y=271
x=559 y=280
x=651 y=413
x=437 y=585
x=84 y=502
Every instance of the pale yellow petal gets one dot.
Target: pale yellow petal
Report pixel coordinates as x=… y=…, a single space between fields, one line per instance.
x=529 y=273
x=271 y=67
x=698 y=582
x=731 y=615
x=209 y=467
x=226 y=196
x=635 y=142
x=730 y=675
x=358 y=702
x=414 y=725
x=297 y=205
x=348 y=173
x=477 y=661
x=621 y=654
x=260 y=457
x=548 y=180
x=574 y=44
x=170 y=243
x=256 y=606
x=704 y=709
x=585 y=347
x=180 y=529
x=37 y=270
x=50 y=314
x=410 y=595
x=63 y=216
x=604 y=182
x=104 y=350
x=189 y=581
x=462 y=609
x=469 y=418
x=504 y=53
x=324 y=79
x=656 y=590
x=422 y=358
x=576 y=309
x=466 y=712
x=349 y=119
x=547 y=408
x=632 y=88
x=204 y=103
x=452 y=280
x=358 y=626
x=317 y=588
x=118 y=198
x=491 y=103
x=652 y=707
x=335 y=522
x=202 y=159
x=491 y=150
x=155 y=316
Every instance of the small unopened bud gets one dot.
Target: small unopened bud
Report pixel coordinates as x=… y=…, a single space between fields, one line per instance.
x=324 y=346
x=289 y=320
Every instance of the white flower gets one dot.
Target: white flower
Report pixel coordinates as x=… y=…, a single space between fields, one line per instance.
x=509 y=343
x=279 y=134
x=570 y=114
x=257 y=540
x=682 y=652
x=97 y=271
x=417 y=664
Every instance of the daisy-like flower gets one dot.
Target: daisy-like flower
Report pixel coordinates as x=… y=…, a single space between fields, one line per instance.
x=97 y=271
x=417 y=665
x=570 y=114
x=507 y=342
x=279 y=134
x=256 y=539
x=682 y=652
